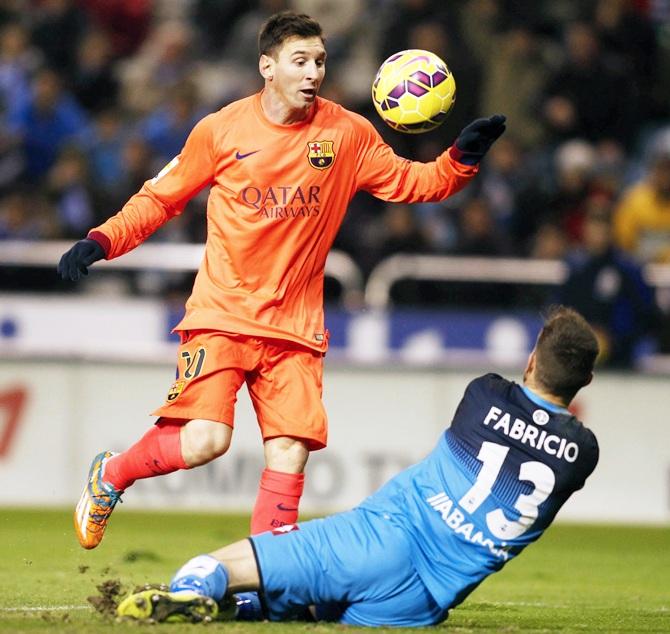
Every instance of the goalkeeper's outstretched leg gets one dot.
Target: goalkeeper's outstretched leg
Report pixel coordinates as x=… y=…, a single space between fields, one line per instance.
x=162 y=606
x=201 y=591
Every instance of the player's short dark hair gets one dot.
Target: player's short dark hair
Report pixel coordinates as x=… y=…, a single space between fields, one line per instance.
x=283 y=25
x=565 y=352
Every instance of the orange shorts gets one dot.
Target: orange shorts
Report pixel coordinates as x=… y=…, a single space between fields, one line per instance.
x=284 y=380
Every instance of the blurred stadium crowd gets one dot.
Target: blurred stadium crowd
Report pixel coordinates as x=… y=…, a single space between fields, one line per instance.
x=97 y=95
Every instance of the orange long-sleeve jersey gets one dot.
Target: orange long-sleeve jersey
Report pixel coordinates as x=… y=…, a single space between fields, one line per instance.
x=278 y=196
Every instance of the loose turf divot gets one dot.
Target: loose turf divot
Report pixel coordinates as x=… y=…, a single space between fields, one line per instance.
x=106 y=602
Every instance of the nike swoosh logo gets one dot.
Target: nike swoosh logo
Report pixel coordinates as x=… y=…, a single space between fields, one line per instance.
x=240 y=156
x=418 y=58
x=281 y=507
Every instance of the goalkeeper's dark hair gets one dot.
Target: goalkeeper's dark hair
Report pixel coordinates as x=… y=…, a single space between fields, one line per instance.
x=281 y=26
x=565 y=352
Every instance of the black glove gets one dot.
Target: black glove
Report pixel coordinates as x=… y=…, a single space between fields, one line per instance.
x=476 y=138
x=75 y=262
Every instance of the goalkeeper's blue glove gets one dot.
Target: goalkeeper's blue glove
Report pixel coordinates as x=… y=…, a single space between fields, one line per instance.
x=75 y=262
x=476 y=138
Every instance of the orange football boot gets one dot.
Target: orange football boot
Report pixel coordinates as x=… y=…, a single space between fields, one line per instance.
x=96 y=504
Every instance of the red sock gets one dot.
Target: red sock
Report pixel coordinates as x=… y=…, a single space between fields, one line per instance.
x=158 y=452
x=277 y=501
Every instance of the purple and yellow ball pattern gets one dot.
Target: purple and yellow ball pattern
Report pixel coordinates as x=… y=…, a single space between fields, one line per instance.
x=414 y=91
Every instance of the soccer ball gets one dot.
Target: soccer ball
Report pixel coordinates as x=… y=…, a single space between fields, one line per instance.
x=414 y=91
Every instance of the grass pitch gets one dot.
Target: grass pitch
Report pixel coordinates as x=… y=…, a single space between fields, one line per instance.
x=575 y=579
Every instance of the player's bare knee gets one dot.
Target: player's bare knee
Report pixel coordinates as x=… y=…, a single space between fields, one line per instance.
x=286 y=454
x=203 y=441
x=219 y=440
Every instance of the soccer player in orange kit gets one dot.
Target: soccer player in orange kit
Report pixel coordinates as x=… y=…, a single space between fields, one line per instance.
x=282 y=166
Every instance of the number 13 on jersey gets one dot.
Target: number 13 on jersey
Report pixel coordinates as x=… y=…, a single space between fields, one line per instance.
x=492 y=457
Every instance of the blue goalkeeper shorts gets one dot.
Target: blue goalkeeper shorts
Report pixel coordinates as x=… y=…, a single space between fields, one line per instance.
x=355 y=567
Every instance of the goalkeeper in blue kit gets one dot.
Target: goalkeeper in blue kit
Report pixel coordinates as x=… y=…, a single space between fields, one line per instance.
x=421 y=544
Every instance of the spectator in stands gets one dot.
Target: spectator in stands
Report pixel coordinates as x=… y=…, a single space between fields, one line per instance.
x=611 y=168
x=502 y=179
x=18 y=59
x=438 y=224
x=608 y=288
x=642 y=221
x=400 y=232
x=359 y=235
x=478 y=237
x=550 y=242
x=26 y=216
x=46 y=122
x=104 y=148
x=584 y=97
x=240 y=69
x=94 y=84
x=563 y=200
x=399 y=18
x=126 y=23
x=70 y=190
x=57 y=28
x=514 y=78
x=477 y=232
x=659 y=14
x=479 y=21
x=135 y=166
x=166 y=58
x=231 y=27
x=166 y=129
x=628 y=37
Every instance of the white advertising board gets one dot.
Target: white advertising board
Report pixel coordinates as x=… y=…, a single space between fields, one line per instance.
x=55 y=415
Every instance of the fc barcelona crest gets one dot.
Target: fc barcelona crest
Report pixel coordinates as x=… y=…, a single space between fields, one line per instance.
x=175 y=391
x=320 y=154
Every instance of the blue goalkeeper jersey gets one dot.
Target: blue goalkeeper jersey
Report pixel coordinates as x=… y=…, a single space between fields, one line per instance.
x=492 y=485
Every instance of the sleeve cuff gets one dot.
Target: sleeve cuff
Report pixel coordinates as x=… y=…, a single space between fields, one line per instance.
x=102 y=240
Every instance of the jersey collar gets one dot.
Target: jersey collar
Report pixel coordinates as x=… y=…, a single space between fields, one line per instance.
x=538 y=400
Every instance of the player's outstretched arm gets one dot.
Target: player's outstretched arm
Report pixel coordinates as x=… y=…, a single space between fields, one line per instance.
x=75 y=262
x=164 y=196
x=476 y=139
x=385 y=175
